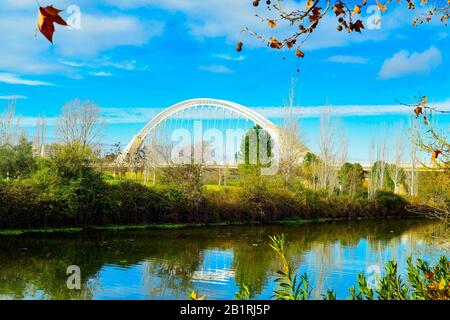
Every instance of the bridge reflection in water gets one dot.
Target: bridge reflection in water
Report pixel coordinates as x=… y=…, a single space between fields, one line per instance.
x=216 y=267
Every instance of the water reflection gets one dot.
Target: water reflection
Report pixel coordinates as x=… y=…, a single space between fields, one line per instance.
x=168 y=264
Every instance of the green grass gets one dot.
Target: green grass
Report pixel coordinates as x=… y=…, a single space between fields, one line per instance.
x=214 y=187
x=18 y=232
x=166 y=226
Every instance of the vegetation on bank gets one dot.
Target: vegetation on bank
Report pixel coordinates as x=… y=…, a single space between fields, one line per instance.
x=64 y=190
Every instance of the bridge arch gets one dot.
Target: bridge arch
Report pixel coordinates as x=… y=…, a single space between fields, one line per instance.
x=245 y=112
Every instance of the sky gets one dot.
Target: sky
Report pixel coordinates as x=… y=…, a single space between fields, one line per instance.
x=136 y=57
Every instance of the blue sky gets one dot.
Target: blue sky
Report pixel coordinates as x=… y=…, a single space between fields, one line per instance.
x=138 y=54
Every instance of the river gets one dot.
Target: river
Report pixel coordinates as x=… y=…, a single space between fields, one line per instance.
x=214 y=261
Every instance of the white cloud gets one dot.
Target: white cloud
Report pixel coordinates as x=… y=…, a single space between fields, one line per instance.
x=106 y=62
x=28 y=54
x=143 y=115
x=13 y=97
x=14 y=79
x=214 y=18
x=229 y=57
x=99 y=33
x=216 y=69
x=347 y=59
x=404 y=63
x=100 y=74
x=219 y=18
x=71 y=63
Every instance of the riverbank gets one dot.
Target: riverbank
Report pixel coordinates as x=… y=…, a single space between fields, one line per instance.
x=35 y=204
x=287 y=222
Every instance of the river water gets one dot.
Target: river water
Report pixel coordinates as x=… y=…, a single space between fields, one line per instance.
x=214 y=261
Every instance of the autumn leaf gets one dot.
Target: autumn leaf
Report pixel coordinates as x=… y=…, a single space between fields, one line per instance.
x=418 y=111
x=272 y=23
x=356 y=10
x=338 y=9
x=239 y=46
x=424 y=101
x=435 y=155
x=275 y=44
x=299 y=53
x=47 y=17
x=381 y=7
x=291 y=43
x=357 y=26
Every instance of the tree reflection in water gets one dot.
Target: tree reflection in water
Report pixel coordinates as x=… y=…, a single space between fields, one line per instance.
x=216 y=261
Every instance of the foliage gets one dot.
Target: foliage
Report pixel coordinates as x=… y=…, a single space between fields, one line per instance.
x=434 y=141
x=434 y=186
x=194 y=296
x=186 y=175
x=380 y=174
x=70 y=161
x=256 y=147
x=351 y=178
x=244 y=293
x=310 y=159
x=423 y=282
x=389 y=202
x=17 y=161
x=289 y=286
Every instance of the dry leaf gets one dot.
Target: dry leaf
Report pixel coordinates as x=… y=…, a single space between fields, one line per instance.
x=272 y=23
x=424 y=101
x=47 y=17
x=356 y=10
x=381 y=7
x=239 y=46
x=418 y=111
x=338 y=9
x=275 y=44
x=435 y=155
x=299 y=53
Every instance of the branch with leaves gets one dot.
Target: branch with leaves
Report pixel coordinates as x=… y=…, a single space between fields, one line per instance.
x=427 y=137
x=304 y=21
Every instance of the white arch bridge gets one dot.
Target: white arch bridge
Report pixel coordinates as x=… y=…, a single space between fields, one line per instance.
x=217 y=111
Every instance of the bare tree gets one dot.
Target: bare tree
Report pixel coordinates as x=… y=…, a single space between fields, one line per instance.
x=292 y=151
x=412 y=172
x=80 y=123
x=40 y=132
x=379 y=173
x=332 y=150
x=395 y=170
x=371 y=187
x=9 y=125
